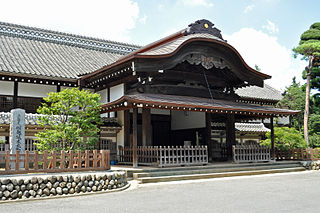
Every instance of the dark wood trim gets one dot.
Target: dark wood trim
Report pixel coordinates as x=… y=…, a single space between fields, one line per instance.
x=225 y=110
x=272 y=139
x=146 y=127
x=126 y=128
x=135 y=137
x=58 y=88
x=15 y=95
x=230 y=134
x=208 y=134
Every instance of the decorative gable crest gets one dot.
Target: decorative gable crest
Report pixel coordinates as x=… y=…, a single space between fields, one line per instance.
x=203 y=26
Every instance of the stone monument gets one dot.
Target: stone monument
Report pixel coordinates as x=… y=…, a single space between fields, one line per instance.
x=17 y=131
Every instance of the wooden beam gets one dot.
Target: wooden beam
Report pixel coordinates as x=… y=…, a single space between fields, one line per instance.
x=126 y=127
x=272 y=139
x=230 y=133
x=135 y=137
x=208 y=134
x=15 y=95
x=146 y=127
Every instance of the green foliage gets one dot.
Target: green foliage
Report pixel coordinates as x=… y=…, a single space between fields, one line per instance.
x=309 y=44
x=294 y=99
x=285 y=138
x=315 y=140
x=70 y=120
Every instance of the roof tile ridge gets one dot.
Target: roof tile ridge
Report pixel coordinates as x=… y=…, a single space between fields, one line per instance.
x=62 y=37
x=272 y=88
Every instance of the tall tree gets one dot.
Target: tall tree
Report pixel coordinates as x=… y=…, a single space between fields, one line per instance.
x=309 y=48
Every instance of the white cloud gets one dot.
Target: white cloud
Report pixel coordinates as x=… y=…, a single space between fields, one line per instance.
x=259 y=48
x=143 y=19
x=205 y=3
x=248 y=8
x=271 y=27
x=98 y=18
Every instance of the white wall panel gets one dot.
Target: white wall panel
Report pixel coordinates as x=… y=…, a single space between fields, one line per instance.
x=6 y=88
x=35 y=90
x=187 y=120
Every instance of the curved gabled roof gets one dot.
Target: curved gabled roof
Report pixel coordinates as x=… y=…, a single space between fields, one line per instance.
x=168 y=46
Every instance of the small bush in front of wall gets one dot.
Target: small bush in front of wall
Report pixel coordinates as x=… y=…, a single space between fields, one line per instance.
x=55 y=185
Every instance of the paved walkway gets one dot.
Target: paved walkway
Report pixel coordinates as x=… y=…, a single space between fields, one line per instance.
x=290 y=192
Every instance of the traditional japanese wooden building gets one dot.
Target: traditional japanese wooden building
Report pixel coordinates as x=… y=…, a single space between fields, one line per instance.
x=176 y=91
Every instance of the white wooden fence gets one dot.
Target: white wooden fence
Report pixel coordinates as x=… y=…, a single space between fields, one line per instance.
x=164 y=156
x=250 y=153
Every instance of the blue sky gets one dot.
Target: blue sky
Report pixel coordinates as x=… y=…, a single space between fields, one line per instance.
x=263 y=31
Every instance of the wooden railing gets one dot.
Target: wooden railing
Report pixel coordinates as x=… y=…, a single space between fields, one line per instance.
x=29 y=162
x=250 y=153
x=166 y=156
x=298 y=154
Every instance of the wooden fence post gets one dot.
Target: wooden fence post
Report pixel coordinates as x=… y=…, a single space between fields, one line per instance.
x=17 y=160
x=79 y=159
x=62 y=159
x=35 y=159
x=54 y=159
x=87 y=159
x=95 y=157
x=71 y=159
x=26 y=160
x=45 y=159
x=7 y=160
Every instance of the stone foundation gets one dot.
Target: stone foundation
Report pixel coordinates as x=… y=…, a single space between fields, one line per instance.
x=312 y=165
x=57 y=185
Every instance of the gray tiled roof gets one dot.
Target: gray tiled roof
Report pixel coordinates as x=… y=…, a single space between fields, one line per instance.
x=170 y=47
x=245 y=127
x=263 y=93
x=251 y=127
x=38 y=52
x=32 y=119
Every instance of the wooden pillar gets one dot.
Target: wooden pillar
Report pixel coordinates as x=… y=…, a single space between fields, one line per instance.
x=15 y=95
x=108 y=99
x=80 y=84
x=58 y=88
x=146 y=127
x=127 y=125
x=272 y=139
x=135 y=137
x=230 y=134
x=208 y=135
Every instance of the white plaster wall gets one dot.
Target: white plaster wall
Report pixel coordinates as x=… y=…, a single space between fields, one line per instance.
x=160 y=111
x=104 y=95
x=35 y=90
x=6 y=88
x=187 y=120
x=116 y=92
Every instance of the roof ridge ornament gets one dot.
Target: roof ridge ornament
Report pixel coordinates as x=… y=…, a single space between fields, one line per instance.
x=203 y=26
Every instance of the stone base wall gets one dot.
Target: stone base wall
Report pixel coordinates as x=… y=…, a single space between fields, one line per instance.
x=57 y=185
x=312 y=165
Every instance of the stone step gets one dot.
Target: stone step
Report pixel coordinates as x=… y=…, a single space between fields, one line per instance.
x=216 y=175
x=210 y=170
x=222 y=165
